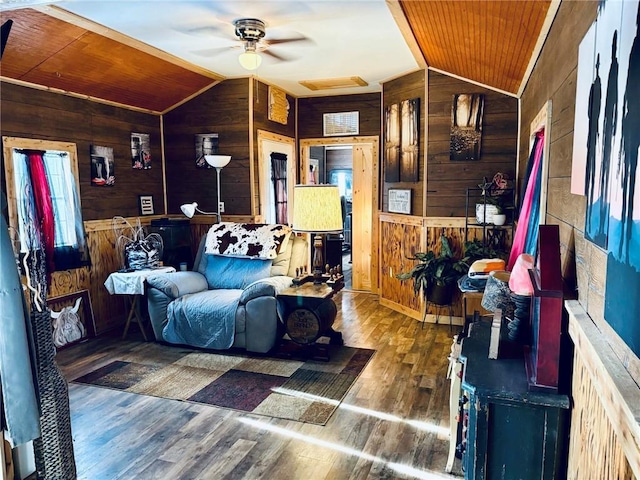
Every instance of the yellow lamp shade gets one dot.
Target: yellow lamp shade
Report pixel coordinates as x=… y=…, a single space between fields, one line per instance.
x=317 y=209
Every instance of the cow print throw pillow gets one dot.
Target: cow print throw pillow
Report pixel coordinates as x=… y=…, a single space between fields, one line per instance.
x=246 y=239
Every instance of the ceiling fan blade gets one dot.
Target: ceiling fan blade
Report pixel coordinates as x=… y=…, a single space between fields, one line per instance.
x=207 y=30
x=279 y=41
x=275 y=55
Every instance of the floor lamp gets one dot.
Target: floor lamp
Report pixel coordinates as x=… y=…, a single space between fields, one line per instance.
x=317 y=210
x=218 y=162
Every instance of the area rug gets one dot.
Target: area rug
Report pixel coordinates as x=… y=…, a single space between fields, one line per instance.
x=294 y=389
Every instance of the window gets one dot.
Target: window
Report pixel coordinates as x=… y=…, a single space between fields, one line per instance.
x=44 y=201
x=345 y=123
x=343 y=177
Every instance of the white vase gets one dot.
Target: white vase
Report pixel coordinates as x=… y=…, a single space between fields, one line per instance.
x=485 y=212
x=499 y=219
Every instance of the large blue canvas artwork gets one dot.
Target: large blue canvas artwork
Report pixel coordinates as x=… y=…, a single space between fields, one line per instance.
x=606 y=144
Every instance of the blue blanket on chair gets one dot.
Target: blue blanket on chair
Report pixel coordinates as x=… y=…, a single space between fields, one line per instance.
x=205 y=319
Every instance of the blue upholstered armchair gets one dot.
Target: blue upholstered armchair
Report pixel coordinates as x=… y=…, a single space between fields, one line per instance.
x=226 y=301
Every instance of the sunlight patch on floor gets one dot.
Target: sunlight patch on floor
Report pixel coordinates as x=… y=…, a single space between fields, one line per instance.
x=406 y=470
x=418 y=424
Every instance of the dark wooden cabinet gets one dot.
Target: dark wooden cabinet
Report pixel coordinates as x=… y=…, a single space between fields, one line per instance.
x=176 y=238
x=511 y=433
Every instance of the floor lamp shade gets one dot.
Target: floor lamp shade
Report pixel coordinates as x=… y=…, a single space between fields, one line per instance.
x=317 y=209
x=217 y=161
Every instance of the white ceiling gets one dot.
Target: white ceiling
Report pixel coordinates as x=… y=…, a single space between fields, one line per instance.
x=345 y=38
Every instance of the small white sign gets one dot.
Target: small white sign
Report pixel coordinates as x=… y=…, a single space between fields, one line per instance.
x=400 y=200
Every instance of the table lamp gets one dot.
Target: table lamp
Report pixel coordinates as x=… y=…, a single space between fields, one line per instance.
x=218 y=162
x=317 y=210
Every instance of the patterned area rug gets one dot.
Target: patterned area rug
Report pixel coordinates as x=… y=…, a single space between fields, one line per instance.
x=302 y=390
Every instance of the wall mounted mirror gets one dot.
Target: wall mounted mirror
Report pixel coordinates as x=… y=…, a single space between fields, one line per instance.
x=43 y=199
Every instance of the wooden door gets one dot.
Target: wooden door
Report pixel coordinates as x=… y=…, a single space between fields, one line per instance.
x=364 y=245
x=362 y=217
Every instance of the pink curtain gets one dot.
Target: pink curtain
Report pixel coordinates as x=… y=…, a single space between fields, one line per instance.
x=44 y=206
x=520 y=238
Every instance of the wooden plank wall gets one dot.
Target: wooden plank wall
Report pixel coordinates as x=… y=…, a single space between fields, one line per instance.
x=223 y=109
x=310 y=111
x=583 y=263
x=30 y=113
x=447 y=181
x=261 y=122
x=394 y=91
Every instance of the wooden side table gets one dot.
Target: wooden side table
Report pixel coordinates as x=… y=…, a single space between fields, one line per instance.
x=309 y=314
x=131 y=284
x=471 y=301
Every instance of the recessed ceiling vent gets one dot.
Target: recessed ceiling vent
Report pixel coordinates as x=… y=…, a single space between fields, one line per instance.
x=331 y=83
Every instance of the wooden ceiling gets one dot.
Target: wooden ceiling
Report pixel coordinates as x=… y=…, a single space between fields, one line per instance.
x=489 y=42
x=45 y=51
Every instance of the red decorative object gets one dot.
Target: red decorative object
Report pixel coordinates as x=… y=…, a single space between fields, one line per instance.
x=542 y=359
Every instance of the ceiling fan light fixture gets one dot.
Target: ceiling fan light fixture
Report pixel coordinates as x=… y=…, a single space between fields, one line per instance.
x=250 y=60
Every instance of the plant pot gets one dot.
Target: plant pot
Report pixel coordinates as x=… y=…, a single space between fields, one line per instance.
x=499 y=219
x=485 y=212
x=440 y=294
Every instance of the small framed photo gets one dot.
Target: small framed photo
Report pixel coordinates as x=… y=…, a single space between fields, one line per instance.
x=400 y=200
x=145 y=203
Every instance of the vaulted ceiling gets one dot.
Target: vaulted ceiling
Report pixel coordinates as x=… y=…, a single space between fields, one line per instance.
x=155 y=55
x=490 y=42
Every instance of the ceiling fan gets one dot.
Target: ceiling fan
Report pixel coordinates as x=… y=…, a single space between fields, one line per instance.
x=251 y=32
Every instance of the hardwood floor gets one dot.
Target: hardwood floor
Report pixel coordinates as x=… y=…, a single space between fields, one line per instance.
x=393 y=423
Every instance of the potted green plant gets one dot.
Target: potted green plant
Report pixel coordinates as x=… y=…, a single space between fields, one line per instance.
x=435 y=275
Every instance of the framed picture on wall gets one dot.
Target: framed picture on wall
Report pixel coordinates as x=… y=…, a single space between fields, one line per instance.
x=102 y=166
x=72 y=318
x=392 y=143
x=140 y=151
x=466 y=126
x=206 y=144
x=145 y=204
x=400 y=200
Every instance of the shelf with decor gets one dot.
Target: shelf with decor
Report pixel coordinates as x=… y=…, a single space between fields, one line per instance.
x=494 y=214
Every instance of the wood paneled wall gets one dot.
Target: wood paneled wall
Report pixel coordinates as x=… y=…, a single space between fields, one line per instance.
x=223 y=109
x=31 y=113
x=598 y=430
x=310 y=111
x=447 y=181
x=394 y=91
x=261 y=122
x=341 y=158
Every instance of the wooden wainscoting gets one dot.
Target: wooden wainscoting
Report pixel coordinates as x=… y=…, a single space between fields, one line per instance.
x=109 y=310
x=401 y=236
x=605 y=420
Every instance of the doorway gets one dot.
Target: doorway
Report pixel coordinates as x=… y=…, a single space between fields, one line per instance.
x=272 y=145
x=350 y=163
